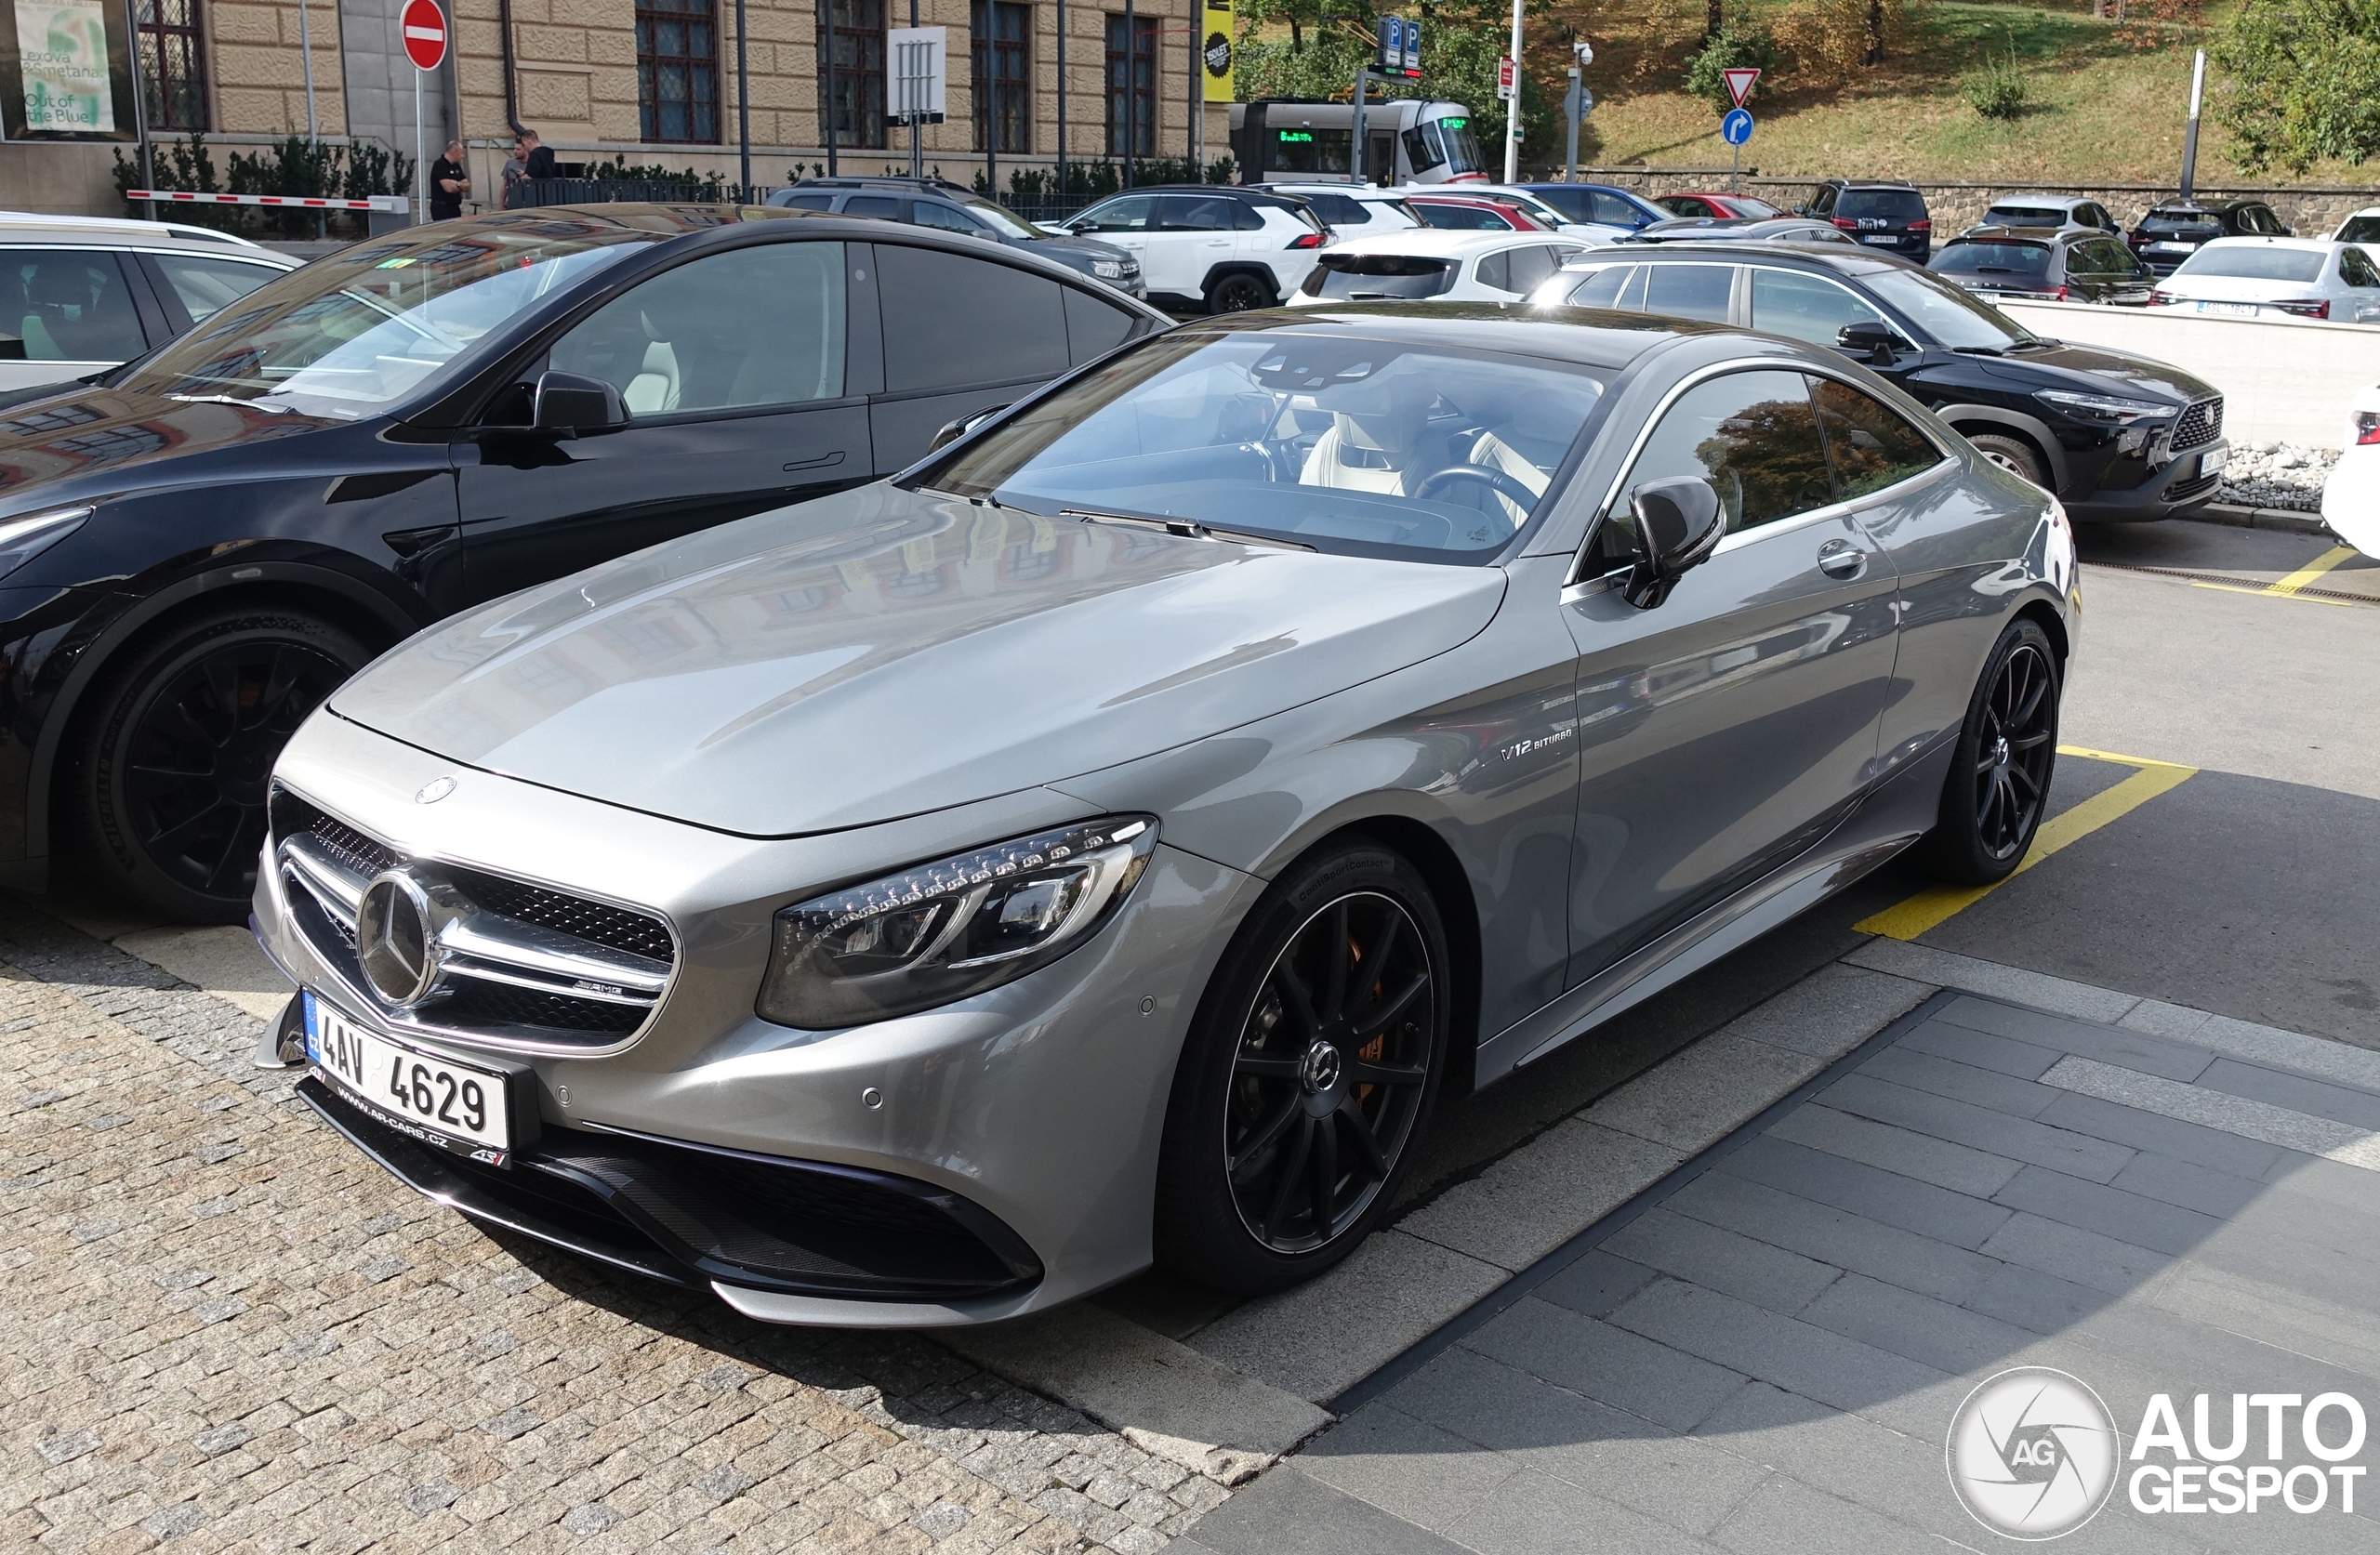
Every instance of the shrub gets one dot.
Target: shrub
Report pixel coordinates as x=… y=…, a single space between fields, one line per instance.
x=1999 y=91
x=2305 y=81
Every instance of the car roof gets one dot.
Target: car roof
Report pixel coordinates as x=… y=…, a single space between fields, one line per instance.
x=1248 y=193
x=1352 y=192
x=1439 y=243
x=2265 y=239
x=2067 y=202
x=1844 y=259
x=1591 y=337
x=2009 y=233
x=106 y=231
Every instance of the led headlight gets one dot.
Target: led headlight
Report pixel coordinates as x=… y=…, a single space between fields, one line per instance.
x=1106 y=270
x=23 y=539
x=945 y=930
x=2110 y=408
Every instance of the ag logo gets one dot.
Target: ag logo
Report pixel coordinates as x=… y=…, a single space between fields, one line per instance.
x=2032 y=1454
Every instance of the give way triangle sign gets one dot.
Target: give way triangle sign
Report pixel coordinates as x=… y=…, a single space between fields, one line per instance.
x=1740 y=82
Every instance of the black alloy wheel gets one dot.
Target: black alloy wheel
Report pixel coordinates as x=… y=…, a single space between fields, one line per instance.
x=1309 y=1071
x=1998 y=788
x=183 y=742
x=1238 y=294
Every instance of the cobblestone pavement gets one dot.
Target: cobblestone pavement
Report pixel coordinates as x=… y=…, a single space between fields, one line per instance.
x=222 y=1328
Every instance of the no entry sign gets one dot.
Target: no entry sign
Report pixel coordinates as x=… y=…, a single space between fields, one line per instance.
x=425 y=31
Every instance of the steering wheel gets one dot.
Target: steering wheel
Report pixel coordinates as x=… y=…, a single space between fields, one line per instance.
x=1497 y=480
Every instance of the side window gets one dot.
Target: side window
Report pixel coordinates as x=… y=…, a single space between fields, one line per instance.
x=1495 y=272
x=1823 y=201
x=809 y=202
x=1689 y=291
x=932 y=214
x=2356 y=268
x=962 y=319
x=1245 y=217
x=1613 y=211
x=66 y=304
x=1531 y=265
x=1600 y=287
x=1195 y=213
x=1130 y=214
x=672 y=350
x=1094 y=328
x=885 y=206
x=1805 y=307
x=1871 y=445
x=206 y=285
x=1753 y=437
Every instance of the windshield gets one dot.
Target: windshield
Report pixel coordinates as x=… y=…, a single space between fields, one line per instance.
x=1329 y=440
x=2359 y=228
x=2185 y=223
x=2024 y=215
x=1366 y=277
x=352 y=334
x=2255 y=262
x=1452 y=136
x=1887 y=204
x=1951 y=315
x=2028 y=259
x=999 y=218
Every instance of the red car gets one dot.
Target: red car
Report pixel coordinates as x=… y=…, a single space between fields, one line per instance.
x=1473 y=213
x=1724 y=206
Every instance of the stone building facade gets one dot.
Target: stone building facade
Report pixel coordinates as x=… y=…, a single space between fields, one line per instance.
x=656 y=83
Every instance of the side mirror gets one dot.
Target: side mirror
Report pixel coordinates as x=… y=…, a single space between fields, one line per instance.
x=953 y=431
x=572 y=406
x=1871 y=340
x=1679 y=523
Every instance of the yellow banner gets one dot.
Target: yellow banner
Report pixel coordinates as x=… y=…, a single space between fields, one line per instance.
x=1215 y=51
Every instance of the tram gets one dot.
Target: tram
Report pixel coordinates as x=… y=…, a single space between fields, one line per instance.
x=1408 y=140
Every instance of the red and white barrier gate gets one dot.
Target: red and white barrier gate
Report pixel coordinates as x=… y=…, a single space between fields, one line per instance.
x=396 y=202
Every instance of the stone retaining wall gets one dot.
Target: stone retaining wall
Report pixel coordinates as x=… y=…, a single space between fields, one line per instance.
x=2310 y=210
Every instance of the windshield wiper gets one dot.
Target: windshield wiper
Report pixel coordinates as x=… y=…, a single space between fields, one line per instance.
x=1187 y=529
x=1979 y=351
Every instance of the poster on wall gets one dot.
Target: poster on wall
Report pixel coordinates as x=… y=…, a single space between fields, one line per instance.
x=62 y=57
x=65 y=73
x=1215 y=53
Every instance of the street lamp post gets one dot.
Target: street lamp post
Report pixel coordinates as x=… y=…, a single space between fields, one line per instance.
x=1512 y=108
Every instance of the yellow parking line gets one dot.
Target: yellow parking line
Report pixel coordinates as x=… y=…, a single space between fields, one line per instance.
x=1932 y=907
x=2312 y=570
x=2270 y=593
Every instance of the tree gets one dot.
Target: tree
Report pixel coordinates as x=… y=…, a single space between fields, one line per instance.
x=2305 y=81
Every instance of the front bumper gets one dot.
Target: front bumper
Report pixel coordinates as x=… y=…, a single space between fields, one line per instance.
x=977 y=1161
x=2174 y=488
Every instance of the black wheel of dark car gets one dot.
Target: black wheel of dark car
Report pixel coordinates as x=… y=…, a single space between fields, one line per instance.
x=2013 y=455
x=2000 y=772
x=1238 y=294
x=1311 y=1063
x=180 y=746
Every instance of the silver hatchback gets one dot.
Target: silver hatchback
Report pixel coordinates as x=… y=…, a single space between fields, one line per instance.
x=1105 y=841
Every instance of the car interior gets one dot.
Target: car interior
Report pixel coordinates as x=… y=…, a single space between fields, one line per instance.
x=669 y=349
x=69 y=308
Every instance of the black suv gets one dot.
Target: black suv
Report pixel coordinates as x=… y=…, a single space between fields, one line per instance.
x=2115 y=436
x=1880 y=213
x=2060 y=263
x=2172 y=230
x=947 y=207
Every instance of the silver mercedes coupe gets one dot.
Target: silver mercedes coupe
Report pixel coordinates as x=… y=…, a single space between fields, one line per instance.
x=1104 y=842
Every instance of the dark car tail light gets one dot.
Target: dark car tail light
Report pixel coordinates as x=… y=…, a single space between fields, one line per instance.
x=2061 y=293
x=2306 y=308
x=1923 y=224
x=1845 y=223
x=2160 y=299
x=1306 y=240
x=2367 y=428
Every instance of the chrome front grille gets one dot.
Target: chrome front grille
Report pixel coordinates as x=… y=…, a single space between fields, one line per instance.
x=2200 y=424
x=515 y=965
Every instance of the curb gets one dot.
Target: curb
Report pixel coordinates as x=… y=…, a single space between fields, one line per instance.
x=2258 y=518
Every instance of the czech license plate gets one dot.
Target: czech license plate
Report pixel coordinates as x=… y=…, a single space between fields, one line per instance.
x=1879 y=237
x=2229 y=310
x=2170 y=248
x=2213 y=459
x=455 y=1106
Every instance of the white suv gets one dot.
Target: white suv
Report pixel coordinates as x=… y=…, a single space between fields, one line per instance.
x=1211 y=248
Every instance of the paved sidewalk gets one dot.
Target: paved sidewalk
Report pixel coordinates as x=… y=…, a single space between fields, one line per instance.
x=1764 y=1351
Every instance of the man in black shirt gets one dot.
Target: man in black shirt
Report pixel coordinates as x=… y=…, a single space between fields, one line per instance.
x=540 y=158
x=449 y=182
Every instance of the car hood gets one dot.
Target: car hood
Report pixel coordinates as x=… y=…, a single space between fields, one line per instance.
x=882 y=654
x=2096 y=370
x=1074 y=250
x=84 y=441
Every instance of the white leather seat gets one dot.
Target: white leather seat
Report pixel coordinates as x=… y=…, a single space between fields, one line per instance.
x=654 y=392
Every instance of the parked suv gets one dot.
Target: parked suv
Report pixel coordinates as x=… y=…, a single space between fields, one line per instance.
x=2069 y=264
x=2172 y=231
x=79 y=295
x=939 y=203
x=1213 y=248
x=2049 y=210
x=1882 y=213
x=2115 y=436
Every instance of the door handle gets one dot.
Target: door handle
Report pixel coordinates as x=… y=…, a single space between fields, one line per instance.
x=1840 y=559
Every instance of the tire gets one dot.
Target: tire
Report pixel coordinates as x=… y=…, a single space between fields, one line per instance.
x=1303 y=1088
x=170 y=774
x=2013 y=455
x=1998 y=789
x=1238 y=294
